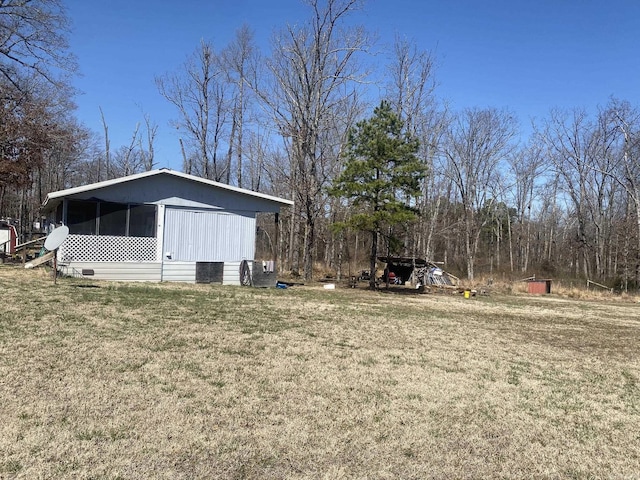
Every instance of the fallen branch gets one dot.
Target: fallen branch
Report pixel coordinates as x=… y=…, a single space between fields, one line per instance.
x=589 y=282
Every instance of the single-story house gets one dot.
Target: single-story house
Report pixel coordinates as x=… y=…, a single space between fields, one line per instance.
x=160 y=225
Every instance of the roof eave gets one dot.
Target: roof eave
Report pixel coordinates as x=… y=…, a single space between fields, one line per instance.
x=61 y=194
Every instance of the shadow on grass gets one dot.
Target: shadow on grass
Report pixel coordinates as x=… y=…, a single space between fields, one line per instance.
x=401 y=290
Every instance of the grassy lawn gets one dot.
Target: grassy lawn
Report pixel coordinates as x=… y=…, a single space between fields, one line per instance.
x=106 y=380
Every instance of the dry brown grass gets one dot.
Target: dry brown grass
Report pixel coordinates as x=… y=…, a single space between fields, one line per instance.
x=572 y=289
x=102 y=380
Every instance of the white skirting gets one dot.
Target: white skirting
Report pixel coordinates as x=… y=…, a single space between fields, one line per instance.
x=145 y=271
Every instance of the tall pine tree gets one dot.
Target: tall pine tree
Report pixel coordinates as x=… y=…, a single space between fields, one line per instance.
x=381 y=177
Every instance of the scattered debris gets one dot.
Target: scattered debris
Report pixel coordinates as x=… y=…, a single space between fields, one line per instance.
x=364 y=275
x=40 y=260
x=418 y=272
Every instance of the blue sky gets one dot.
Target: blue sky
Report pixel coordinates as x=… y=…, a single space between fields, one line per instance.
x=524 y=55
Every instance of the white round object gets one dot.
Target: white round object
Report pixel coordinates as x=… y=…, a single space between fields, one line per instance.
x=55 y=238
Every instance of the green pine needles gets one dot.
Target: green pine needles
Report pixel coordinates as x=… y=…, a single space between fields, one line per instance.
x=381 y=177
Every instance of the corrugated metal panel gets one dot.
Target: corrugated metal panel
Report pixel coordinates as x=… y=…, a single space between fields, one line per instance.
x=179 y=272
x=209 y=236
x=186 y=272
x=539 y=286
x=231 y=275
x=4 y=240
x=125 y=271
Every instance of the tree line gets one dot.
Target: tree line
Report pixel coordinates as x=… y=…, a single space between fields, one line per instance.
x=565 y=201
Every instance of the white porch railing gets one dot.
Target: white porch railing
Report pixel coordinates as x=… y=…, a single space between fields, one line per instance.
x=105 y=248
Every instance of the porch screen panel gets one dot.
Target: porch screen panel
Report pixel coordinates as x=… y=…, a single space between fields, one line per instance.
x=209 y=236
x=142 y=221
x=81 y=217
x=113 y=219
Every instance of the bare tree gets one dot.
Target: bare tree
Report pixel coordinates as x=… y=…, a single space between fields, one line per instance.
x=107 y=149
x=148 y=159
x=580 y=150
x=199 y=93
x=476 y=144
x=526 y=166
x=128 y=159
x=411 y=91
x=603 y=191
x=33 y=40
x=313 y=69
x=625 y=119
x=131 y=158
x=565 y=138
x=411 y=85
x=238 y=59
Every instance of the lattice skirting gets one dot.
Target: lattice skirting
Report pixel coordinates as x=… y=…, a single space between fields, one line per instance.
x=105 y=248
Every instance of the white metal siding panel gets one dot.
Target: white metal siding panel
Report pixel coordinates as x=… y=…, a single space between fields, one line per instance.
x=125 y=271
x=186 y=272
x=5 y=236
x=179 y=272
x=160 y=232
x=208 y=236
x=231 y=273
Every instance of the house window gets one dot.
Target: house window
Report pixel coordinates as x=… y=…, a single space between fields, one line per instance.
x=108 y=218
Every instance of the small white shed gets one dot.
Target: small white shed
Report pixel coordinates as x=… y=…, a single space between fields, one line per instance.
x=8 y=238
x=160 y=225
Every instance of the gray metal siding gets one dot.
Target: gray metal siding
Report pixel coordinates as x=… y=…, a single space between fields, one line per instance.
x=125 y=271
x=208 y=236
x=179 y=272
x=231 y=274
x=147 y=272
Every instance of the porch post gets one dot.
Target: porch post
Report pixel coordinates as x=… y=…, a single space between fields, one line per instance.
x=160 y=212
x=277 y=242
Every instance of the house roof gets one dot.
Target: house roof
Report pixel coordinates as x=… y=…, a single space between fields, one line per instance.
x=54 y=198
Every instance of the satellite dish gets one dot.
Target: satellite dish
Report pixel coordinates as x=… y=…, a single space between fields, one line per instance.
x=56 y=238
